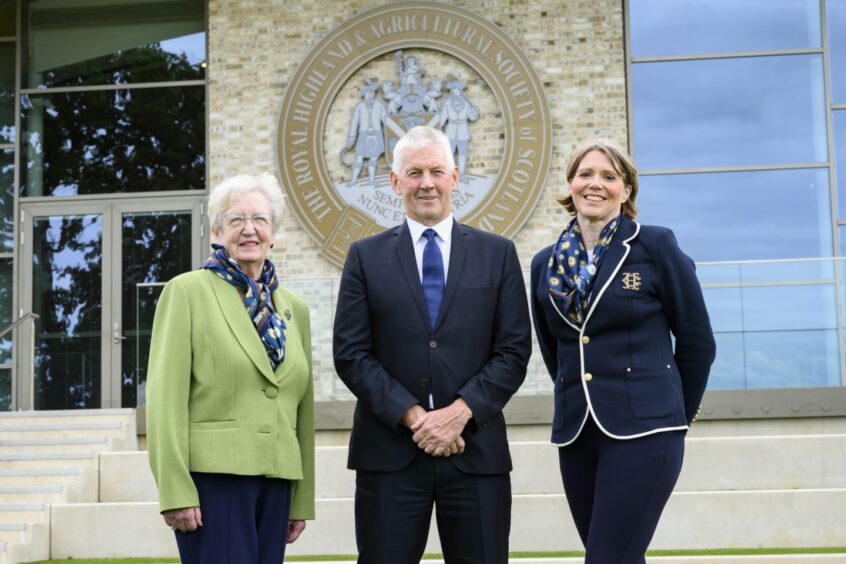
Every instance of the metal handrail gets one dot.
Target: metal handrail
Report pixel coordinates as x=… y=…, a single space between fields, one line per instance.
x=18 y=321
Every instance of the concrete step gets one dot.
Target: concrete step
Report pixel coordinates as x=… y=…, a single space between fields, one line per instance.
x=24 y=513
x=79 y=459
x=12 y=533
x=37 y=476
x=692 y=520
x=62 y=430
x=35 y=546
x=711 y=464
x=71 y=444
x=47 y=494
x=118 y=424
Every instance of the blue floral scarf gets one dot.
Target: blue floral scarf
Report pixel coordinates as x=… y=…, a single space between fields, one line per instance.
x=570 y=275
x=269 y=325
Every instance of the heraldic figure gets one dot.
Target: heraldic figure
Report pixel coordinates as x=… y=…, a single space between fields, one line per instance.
x=366 y=133
x=456 y=113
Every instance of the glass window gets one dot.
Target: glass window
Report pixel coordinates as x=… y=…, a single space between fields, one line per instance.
x=839 y=119
x=156 y=247
x=773 y=359
x=7 y=201
x=836 y=22
x=67 y=270
x=729 y=112
x=5 y=311
x=5 y=389
x=670 y=27
x=7 y=18
x=107 y=141
x=742 y=215
x=7 y=92
x=113 y=42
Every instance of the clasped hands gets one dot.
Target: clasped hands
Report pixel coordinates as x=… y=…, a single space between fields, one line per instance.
x=438 y=432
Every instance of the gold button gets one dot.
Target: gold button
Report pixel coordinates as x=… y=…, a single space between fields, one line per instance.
x=585 y=339
x=588 y=376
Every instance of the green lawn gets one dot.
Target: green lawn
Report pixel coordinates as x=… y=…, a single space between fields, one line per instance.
x=514 y=555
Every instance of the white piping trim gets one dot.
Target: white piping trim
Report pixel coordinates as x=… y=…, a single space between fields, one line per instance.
x=590 y=410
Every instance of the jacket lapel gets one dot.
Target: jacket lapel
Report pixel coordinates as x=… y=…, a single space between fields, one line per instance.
x=613 y=260
x=457 y=253
x=404 y=247
x=240 y=324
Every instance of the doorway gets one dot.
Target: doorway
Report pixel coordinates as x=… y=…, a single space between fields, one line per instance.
x=92 y=270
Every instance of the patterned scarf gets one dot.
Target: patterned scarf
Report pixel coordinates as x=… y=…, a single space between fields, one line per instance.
x=270 y=327
x=570 y=275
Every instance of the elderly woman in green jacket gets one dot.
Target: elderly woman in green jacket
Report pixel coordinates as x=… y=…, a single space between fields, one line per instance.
x=230 y=408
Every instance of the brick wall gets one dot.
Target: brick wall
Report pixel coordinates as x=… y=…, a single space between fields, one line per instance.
x=256 y=46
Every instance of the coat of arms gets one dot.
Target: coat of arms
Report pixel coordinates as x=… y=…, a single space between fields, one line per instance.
x=390 y=108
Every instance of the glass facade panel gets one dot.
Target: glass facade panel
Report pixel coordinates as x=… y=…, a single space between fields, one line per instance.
x=156 y=247
x=6 y=310
x=836 y=22
x=7 y=201
x=110 y=141
x=730 y=216
x=113 y=42
x=67 y=294
x=729 y=112
x=7 y=92
x=5 y=389
x=839 y=118
x=670 y=27
x=7 y=18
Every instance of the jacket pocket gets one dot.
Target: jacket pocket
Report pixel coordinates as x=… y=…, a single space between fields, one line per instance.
x=651 y=391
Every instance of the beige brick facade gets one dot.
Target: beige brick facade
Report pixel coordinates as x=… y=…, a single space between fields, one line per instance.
x=576 y=46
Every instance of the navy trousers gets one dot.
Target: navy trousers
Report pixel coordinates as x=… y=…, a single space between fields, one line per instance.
x=393 y=511
x=617 y=490
x=245 y=521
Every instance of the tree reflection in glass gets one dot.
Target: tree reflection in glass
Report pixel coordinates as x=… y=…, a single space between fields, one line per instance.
x=67 y=294
x=156 y=247
x=133 y=140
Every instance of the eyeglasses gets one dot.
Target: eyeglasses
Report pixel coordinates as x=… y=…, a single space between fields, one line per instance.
x=236 y=221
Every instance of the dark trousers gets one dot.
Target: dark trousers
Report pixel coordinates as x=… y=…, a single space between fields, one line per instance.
x=245 y=521
x=393 y=511
x=617 y=490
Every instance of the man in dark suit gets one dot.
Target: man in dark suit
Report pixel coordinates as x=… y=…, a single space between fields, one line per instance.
x=432 y=335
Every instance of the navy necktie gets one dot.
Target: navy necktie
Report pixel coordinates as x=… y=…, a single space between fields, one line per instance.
x=433 y=276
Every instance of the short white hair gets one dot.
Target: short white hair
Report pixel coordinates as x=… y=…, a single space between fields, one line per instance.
x=417 y=138
x=222 y=195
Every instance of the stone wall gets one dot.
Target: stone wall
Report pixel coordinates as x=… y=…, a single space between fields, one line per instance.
x=577 y=47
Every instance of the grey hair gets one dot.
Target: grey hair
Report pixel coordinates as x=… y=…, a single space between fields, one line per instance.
x=222 y=195
x=417 y=138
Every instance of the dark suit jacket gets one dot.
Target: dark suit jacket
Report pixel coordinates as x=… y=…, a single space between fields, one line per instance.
x=646 y=289
x=390 y=359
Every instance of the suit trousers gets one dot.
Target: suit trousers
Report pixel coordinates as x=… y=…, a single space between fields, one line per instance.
x=617 y=490
x=393 y=511
x=245 y=521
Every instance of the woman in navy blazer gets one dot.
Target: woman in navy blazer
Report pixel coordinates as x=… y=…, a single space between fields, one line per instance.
x=607 y=299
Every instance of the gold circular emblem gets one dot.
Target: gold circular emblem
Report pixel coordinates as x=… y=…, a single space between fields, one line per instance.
x=337 y=212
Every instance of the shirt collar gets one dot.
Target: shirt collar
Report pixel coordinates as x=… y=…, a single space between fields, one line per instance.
x=443 y=229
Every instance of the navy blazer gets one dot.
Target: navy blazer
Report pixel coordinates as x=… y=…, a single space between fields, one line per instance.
x=621 y=366
x=387 y=355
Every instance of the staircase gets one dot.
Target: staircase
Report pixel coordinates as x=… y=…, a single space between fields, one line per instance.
x=752 y=484
x=49 y=458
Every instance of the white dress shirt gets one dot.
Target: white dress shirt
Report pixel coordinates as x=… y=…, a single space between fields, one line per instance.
x=443 y=237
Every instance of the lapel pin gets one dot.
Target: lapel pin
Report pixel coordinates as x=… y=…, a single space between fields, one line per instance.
x=288 y=314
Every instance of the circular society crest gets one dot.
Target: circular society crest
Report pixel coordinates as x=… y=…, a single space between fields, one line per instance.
x=434 y=64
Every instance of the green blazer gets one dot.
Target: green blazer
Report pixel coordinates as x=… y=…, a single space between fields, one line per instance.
x=213 y=402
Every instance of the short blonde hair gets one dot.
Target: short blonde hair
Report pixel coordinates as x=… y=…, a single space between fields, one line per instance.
x=222 y=195
x=623 y=165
